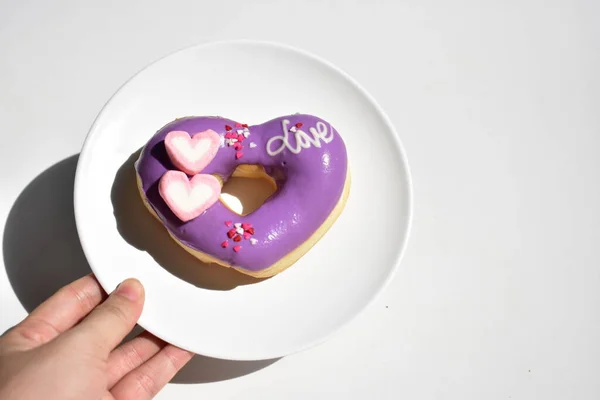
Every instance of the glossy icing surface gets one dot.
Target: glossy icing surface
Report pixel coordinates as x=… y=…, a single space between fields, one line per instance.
x=305 y=156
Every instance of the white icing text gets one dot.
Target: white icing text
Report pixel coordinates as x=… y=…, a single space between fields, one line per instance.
x=303 y=140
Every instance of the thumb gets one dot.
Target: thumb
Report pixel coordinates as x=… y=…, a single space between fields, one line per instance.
x=108 y=324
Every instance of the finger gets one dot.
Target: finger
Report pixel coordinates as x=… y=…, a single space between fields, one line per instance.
x=58 y=314
x=131 y=355
x=147 y=380
x=112 y=320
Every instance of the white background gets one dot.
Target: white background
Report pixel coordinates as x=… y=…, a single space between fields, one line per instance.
x=497 y=104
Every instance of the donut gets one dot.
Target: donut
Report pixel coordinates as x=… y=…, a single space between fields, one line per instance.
x=182 y=168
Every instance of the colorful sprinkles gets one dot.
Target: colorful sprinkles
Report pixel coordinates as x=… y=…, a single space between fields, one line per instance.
x=239 y=231
x=235 y=138
x=294 y=128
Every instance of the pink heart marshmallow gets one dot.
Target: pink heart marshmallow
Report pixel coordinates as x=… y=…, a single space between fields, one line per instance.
x=188 y=198
x=192 y=154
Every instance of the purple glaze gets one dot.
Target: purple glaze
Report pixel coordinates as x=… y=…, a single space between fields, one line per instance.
x=310 y=184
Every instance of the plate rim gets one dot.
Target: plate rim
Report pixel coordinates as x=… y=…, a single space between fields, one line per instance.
x=401 y=249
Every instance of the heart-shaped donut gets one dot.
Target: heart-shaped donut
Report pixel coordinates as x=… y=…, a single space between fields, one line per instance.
x=192 y=154
x=305 y=156
x=188 y=198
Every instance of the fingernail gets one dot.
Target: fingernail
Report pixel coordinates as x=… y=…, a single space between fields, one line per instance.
x=131 y=289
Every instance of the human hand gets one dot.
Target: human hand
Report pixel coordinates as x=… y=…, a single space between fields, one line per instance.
x=67 y=348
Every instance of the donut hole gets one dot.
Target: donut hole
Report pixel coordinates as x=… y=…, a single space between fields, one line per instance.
x=247 y=189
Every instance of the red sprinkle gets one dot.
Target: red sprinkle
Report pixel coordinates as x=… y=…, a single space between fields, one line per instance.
x=227 y=127
x=246 y=226
x=237 y=238
x=299 y=125
x=225 y=244
x=237 y=248
x=245 y=125
x=240 y=137
x=231 y=233
x=238 y=155
x=247 y=235
x=228 y=223
x=237 y=146
x=250 y=230
x=238 y=125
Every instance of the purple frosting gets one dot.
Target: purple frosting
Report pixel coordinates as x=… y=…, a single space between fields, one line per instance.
x=310 y=184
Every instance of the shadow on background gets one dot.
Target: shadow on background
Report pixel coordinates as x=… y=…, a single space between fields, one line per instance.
x=205 y=369
x=41 y=248
x=42 y=253
x=140 y=229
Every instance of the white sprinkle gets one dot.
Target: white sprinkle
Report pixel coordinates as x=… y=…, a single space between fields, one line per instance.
x=238 y=225
x=246 y=134
x=293 y=129
x=252 y=145
x=246 y=130
x=253 y=241
x=240 y=131
x=233 y=140
x=229 y=142
x=240 y=231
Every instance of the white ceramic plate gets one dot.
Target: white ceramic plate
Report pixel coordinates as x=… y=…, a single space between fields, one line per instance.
x=216 y=313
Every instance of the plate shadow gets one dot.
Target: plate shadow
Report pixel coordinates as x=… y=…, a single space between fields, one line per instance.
x=141 y=230
x=205 y=369
x=41 y=247
x=42 y=253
